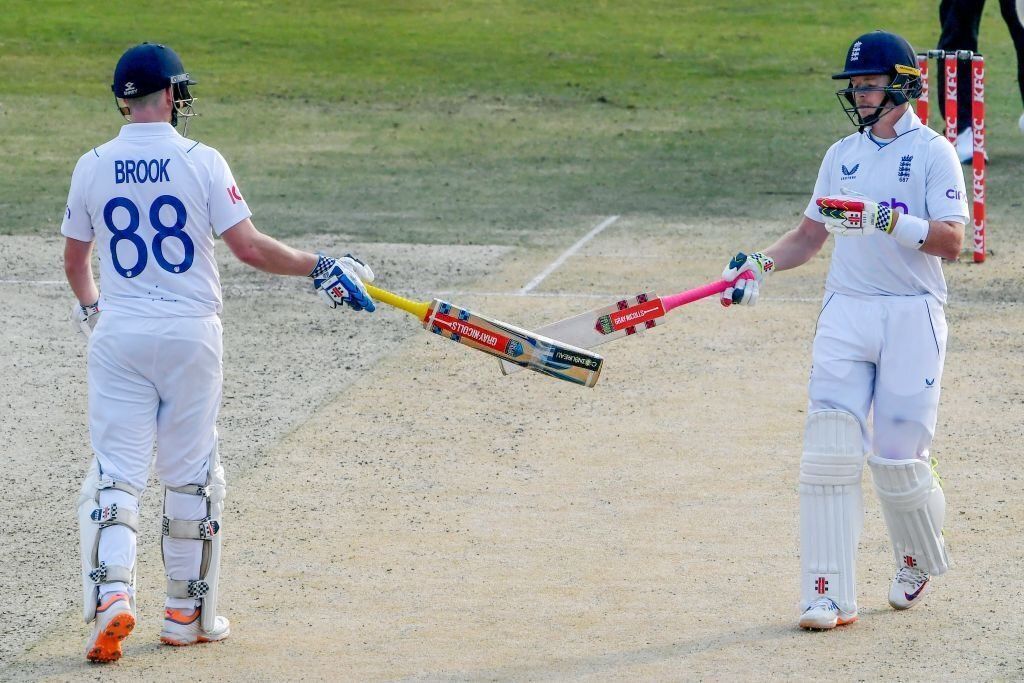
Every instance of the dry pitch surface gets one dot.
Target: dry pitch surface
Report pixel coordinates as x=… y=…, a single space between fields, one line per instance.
x=399 y=510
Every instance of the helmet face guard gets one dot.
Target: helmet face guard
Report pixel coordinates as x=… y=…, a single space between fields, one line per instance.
x=879 y=54
x=903 y=88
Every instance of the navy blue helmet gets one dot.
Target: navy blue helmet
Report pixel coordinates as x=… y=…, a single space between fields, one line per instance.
x=880 y=53
x=148 y=68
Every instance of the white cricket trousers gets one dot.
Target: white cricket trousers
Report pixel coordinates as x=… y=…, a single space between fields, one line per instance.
x=155 y=378
x=883 y=353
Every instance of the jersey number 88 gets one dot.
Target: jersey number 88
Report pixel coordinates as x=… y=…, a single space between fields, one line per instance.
x=162 y=232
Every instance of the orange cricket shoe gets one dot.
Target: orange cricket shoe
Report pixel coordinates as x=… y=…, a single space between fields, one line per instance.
x=183 y=627
x=114 y=622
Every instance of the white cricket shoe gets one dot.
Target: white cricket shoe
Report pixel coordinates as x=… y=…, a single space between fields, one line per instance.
x=909 y=586
x=965 y=145
x=824 y=614
x=183 y=627
x=114 y=622
x=1020 y=123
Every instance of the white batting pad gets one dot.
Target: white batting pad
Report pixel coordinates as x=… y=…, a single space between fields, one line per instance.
x=200 y=536
x=914 y=508
x=108 y=521
x=831 y=508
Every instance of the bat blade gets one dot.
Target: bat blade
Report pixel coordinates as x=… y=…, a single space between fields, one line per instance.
x=513 y=345
x=623 y=318
x=587 y=330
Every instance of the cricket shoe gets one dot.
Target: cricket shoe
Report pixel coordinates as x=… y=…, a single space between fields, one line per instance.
x=183 y=627
x=965 y=146
x=909 y=585
x=824 y=614
x=114 y=622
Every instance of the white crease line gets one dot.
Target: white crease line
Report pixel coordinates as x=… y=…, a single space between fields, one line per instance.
x=567 y=253
x=33 y=282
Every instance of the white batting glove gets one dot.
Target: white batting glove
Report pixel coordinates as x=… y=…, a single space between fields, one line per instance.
x=84 y=318
x=851 y=213
x=340 y=281
x=746 y=291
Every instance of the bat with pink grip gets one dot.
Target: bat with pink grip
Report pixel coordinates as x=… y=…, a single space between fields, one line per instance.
x=623 y=318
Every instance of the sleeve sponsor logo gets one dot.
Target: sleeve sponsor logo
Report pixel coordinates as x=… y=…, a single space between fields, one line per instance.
x=234 y=195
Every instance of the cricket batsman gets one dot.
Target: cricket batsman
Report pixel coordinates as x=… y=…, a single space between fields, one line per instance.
x=893 y=196
x=151 y=201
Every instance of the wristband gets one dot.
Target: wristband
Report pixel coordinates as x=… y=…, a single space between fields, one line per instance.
x=910 y=231
x=323 y=265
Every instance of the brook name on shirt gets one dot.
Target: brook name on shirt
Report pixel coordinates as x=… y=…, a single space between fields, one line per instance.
x=141 y=171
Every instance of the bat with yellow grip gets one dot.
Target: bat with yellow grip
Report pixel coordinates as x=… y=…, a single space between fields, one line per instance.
x=507 y=342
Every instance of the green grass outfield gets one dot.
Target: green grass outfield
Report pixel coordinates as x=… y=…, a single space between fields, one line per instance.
x=474 y=122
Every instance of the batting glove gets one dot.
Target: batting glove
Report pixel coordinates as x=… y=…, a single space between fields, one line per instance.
x=745 y=291
x=852 y=215
x=84 y=318
x=340 y=281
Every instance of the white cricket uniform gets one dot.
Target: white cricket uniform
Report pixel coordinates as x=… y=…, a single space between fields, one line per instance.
x=881 y=334
x=152 y=199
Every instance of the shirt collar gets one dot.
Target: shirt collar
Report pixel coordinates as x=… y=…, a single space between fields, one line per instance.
x=146 y=130
x=907 y=123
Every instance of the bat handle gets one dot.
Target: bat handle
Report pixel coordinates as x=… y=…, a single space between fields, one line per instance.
x=704 y=291
x=417 y=308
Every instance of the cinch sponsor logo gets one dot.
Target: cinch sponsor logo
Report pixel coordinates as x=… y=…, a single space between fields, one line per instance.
x=141 y=171
x=574 y=359
x=895 y=205
x=954 y=194
x=855 y=51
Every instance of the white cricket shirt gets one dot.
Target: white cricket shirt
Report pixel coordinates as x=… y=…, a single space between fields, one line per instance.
x=152 y=200
x=919 y=174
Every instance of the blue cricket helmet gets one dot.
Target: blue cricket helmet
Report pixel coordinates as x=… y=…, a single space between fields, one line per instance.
x=148 y=68
x=881 y=52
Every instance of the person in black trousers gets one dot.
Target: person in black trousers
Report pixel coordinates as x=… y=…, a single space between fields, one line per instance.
x=960 y=20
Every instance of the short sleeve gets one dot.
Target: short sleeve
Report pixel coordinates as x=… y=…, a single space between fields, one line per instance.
x=77 y=223
x=945 y=191
x=822 y=186
x=227 y=207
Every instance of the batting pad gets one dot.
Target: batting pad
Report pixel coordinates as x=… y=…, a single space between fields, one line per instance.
x=914 y=508
x=831 y=508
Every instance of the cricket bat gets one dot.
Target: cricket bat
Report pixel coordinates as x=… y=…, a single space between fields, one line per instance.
x=515 y=346
x=623 y=318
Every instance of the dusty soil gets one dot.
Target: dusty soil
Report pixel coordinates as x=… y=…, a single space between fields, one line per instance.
x=400 y=510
